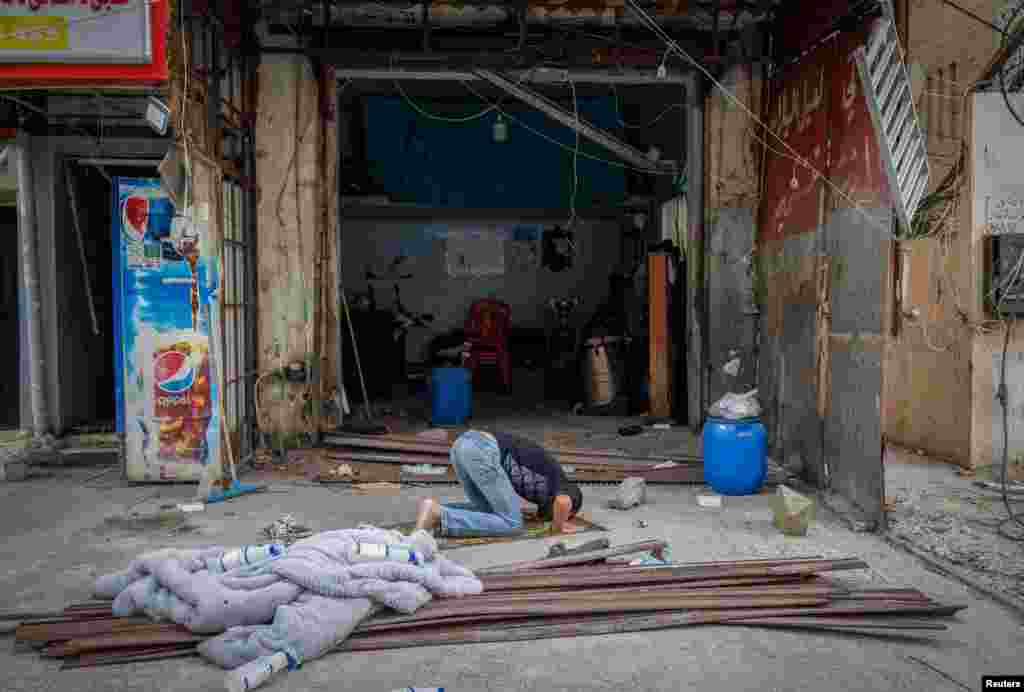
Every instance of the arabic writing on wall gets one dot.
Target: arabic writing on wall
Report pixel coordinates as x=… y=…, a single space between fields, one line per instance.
x=1004 y=215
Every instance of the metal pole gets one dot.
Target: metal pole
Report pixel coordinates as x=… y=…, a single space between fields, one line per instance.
x=696 y=312
x=30 y=273
x=551 y=109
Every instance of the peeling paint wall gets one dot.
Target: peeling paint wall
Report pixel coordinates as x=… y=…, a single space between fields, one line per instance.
x=928 y=388
x=293 y=189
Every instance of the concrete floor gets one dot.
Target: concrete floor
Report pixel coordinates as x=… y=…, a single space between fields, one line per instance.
x=56 y=540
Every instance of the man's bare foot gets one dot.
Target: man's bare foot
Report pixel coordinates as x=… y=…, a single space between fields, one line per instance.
x=561 y=510
x=429 y=514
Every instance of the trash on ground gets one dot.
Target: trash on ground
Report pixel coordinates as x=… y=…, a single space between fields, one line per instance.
x=793 y=512
x=710 y=501
x=426 y=469
x=560 y=549
x=192 y=507
x=732 y=368
x=630 y=493
x=287 y=530
x=383 y=487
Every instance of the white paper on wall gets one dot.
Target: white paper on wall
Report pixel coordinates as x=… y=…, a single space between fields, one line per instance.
x=475 y=253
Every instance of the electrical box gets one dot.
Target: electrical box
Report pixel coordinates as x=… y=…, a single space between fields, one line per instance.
x=1004 y=274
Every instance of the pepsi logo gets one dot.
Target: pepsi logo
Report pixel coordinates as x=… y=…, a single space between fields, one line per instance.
x=174 y=372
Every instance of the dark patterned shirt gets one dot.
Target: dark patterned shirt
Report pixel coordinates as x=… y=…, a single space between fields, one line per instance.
x=535 y=475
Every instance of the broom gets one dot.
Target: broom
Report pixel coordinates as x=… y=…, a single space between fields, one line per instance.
x=235 y=489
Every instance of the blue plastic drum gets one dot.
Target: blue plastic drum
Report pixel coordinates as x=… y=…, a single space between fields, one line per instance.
x=735 y=455
x=451 y=396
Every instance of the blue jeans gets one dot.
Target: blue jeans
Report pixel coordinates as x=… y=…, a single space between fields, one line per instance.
x=494 y=507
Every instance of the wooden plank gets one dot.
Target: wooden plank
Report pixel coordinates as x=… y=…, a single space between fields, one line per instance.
x=659 y=369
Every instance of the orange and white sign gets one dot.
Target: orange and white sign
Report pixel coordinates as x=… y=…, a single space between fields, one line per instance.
x=96 y=42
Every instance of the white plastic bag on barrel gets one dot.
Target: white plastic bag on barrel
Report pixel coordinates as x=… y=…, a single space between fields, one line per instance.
x=737 y=406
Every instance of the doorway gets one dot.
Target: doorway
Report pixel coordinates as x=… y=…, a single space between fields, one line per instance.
x=10 y=343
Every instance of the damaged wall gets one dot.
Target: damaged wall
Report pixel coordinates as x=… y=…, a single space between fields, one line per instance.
x=296 y=239
x=928 y=353
x=734 y=161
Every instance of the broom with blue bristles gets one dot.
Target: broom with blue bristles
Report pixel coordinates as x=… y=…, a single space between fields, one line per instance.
x=235 y=489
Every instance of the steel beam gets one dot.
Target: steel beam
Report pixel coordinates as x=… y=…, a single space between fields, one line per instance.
x=624 y=151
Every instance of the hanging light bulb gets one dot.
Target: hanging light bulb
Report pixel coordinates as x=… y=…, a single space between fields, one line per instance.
x=500 y=130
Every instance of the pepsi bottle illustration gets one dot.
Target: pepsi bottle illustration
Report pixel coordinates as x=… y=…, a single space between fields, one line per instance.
x=165 y=285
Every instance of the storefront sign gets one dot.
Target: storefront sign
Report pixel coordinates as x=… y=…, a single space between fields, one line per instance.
x=77 y=42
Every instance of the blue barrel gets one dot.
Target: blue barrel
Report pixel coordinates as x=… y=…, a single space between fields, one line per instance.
x=735 y=455
x=451 y=396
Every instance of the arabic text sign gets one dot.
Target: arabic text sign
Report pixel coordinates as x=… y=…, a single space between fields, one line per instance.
x=799 y=116
x=75 y=31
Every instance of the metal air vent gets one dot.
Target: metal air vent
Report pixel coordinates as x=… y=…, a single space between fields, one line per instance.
x=902 y=143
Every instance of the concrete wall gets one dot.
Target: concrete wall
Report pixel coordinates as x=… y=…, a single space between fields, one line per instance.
x=525 y=287
x=998 y=169
x=928 y=392
x=293 y=188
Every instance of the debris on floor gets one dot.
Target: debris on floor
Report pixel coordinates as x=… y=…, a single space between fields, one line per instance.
x=287 y=530
x=793 y=512
x=631 y=493
x=955 y=520
x=565 y=596
x=560 y=549
x=709 y=501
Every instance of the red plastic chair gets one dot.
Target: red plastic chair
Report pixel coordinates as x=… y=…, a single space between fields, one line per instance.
x=487 y=338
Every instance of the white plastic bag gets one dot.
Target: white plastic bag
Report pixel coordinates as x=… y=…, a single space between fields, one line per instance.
x=737 y=406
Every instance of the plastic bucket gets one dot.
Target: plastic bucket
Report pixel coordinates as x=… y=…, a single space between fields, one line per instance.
x=451 y=396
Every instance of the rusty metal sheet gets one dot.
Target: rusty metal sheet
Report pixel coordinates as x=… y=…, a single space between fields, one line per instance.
x=799 y=25
x=857 y=242
x=855 y=162
x=793 y=194
x=787 y=379
x=731 y=313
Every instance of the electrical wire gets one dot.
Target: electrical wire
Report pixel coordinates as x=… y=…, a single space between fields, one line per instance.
x=652 y=24
x=631 y=126
x=442 y=118
x=1001 y=394
x=575 y=158
x=566 y=147
x=1002 y=73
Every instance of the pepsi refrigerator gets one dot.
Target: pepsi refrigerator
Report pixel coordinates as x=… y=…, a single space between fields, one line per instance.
x=165 y=282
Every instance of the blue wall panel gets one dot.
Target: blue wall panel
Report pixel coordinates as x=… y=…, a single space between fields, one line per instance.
x=424 y=161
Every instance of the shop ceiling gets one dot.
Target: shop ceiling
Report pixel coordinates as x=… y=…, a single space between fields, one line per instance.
x=599 y=36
